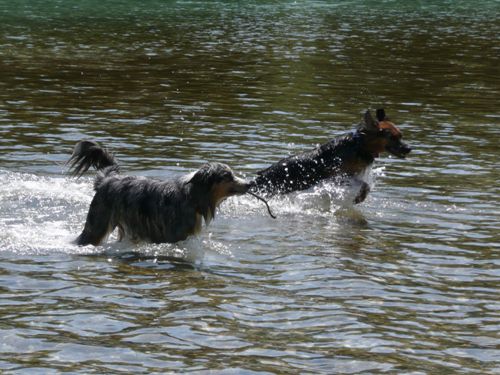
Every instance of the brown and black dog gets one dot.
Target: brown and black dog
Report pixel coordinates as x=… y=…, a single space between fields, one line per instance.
x=343 y=158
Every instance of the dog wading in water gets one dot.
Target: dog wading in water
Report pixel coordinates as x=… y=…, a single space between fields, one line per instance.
x=149 y=210
x=345 y=157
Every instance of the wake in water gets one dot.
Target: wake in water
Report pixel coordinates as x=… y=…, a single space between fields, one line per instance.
x=44 y=214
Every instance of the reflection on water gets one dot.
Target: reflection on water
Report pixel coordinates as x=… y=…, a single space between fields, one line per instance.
x=407 y=282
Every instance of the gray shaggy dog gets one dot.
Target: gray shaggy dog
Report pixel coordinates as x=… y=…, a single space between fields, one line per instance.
x=145 y=209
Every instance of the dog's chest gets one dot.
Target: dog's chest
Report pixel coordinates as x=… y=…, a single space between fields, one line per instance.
x=354 y=166
x=198 y=224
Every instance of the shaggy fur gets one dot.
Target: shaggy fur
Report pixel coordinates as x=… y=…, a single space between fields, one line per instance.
x=149 y=210
x=344 y=157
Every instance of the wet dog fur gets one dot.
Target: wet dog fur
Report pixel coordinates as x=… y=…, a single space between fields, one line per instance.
x=149 y=210
x=344 y=158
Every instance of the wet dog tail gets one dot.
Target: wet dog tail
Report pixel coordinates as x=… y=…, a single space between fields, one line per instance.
x=89 y=154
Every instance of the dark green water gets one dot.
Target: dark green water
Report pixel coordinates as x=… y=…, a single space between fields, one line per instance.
x=406 y=283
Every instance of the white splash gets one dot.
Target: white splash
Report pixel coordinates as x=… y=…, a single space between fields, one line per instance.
x=323 y=199
x=44 y=214
x=38 y=213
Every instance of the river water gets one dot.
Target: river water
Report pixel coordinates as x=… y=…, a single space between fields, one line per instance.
x=407 y=282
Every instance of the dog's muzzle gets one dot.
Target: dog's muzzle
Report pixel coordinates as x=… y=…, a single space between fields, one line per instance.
x=240 y=186
x=400 y=150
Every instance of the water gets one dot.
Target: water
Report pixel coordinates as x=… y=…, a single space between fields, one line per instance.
x=406 y=282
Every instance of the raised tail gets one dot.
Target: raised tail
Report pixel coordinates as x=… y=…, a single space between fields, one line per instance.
x=89 y=154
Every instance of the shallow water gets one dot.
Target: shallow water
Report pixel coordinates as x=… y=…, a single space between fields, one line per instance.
x=407 y=282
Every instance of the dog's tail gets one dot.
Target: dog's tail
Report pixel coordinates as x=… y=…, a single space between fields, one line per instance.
x=89 y=154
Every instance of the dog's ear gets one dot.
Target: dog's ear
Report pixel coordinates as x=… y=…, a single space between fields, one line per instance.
x=369 y=123
x=381 y=114
x=200 y=176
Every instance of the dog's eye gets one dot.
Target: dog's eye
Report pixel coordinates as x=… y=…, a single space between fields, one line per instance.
x=387 y=133
x=227 y=177
x=395 y=137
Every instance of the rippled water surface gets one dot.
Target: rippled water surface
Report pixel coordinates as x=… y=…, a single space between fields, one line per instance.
x=407 y=282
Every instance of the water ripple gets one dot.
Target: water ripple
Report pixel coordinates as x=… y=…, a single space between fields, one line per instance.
x=407 y=282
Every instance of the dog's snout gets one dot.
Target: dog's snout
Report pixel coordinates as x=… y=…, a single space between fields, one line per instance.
x=399 y=150
x=241 y=186
x=405 y=149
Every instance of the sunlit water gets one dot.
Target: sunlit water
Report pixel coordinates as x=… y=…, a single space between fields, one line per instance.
x=407 y=282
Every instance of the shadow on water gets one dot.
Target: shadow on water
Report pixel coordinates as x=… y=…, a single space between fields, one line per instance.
x=351 y=217
x=142 y=260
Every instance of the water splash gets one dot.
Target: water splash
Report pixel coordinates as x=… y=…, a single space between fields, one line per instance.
x=323 y=199
x=38 y=214
x=44 y=214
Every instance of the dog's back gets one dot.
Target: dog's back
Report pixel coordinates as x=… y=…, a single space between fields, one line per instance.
x=302 y=171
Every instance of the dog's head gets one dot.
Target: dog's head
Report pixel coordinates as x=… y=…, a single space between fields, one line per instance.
x=214 y=182
x=382 y=135
x=219 y=179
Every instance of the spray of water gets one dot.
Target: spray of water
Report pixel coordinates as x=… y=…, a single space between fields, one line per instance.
x=44 y=214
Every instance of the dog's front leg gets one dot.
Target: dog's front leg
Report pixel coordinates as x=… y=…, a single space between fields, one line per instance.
x=363 y=191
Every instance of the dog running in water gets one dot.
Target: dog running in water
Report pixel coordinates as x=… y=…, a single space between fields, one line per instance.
x=149 y=210
x=345 y=157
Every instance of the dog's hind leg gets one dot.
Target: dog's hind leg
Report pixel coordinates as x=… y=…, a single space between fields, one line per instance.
x=98 y=224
